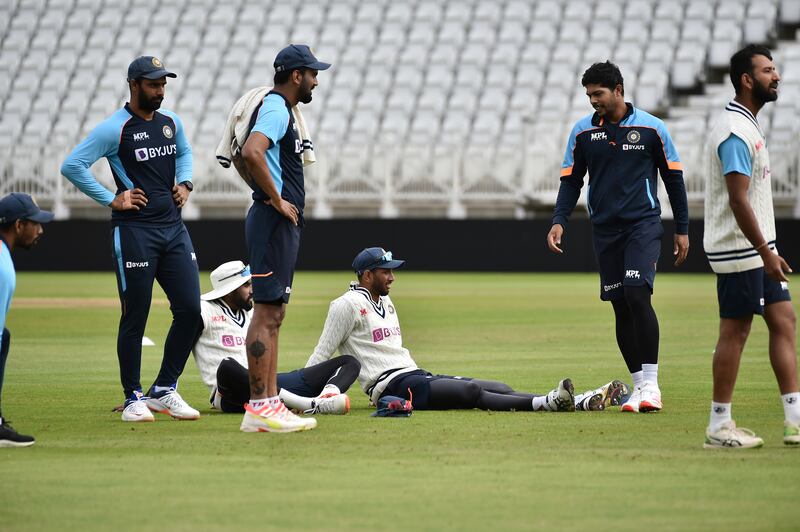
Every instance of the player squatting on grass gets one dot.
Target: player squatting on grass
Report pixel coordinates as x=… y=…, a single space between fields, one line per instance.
x=740 y=244
x=20 y=227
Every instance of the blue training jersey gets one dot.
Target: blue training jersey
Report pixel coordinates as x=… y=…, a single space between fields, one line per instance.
x=8 y=283
x=284 y=155
x=623 y=161
x=152 y=155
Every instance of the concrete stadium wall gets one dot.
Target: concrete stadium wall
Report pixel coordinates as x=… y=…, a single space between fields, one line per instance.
x=431 y=245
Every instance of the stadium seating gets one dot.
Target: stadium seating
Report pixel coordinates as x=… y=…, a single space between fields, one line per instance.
x=432 y=108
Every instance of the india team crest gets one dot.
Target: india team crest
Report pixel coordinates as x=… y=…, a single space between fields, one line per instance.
x=157 y=63
x=167 y=132
x=634 y=136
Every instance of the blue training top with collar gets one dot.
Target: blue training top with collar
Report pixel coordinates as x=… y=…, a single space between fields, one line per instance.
x=152 y=155
x=623 y=161
x=276 y=122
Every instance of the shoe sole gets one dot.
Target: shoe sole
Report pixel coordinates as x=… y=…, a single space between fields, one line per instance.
x=281 y=430
x=648 y=408
x=143 y=419
x=715 y=446
x=593 y=404
x=629 y=408
x=166 y=412
x=567 y=385
x=791 y=440
x=9 y=444
x=277 y=431
x=615 y=393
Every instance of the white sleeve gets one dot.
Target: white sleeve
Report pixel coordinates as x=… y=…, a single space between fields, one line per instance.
x=338 y=326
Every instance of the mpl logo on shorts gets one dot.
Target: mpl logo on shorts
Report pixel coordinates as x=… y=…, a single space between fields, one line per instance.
x=145 y=154
x=130 y=264
x=632 y=274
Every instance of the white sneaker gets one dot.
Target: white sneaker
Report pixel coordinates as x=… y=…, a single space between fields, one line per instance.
x=632 y=404
x=650 y=398
x=172 y=404
x=562 y=398
x=268 y=419
x=331 y=404
x=791 y=433
x=729 y=436
x=137 y=411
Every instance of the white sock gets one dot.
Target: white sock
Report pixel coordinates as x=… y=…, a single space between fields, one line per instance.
x=720 y=414
x=650 y=373
x=540 y=403
x=330 y=389
x=295 y=401
x=638 y=379
x=791 y=406
x=260 y=403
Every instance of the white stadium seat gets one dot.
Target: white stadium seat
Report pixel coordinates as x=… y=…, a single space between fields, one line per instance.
x=485 y=74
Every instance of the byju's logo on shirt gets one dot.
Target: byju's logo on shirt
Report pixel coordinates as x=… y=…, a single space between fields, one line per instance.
x=385 y=332
x=229 y=340
x=145 y=154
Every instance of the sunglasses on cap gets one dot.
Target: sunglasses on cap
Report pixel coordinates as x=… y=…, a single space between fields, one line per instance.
x=244 y=272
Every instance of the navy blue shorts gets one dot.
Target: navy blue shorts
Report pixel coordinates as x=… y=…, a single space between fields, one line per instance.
x=296 y=383
x=627 y=256
x=743 y=294
x=272 y=242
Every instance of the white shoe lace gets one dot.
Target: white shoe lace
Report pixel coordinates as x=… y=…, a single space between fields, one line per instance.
x=325 y=405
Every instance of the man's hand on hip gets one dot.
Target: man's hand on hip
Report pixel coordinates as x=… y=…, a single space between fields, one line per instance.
x=129 y=200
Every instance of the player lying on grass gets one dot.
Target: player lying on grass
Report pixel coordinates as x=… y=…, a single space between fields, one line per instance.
x=363 y=324
x=222 y=358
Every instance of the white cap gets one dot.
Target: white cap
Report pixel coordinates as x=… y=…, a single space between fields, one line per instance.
x=226 y=278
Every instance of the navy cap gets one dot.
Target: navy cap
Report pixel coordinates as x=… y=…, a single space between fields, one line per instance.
x=297 y=56
x=372 y=258
x=148 y=67
x=19 y=206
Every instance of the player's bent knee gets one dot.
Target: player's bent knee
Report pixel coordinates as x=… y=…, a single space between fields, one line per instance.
x=351 y=361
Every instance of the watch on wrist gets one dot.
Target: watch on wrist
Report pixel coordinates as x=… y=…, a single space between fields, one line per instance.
x=188 y=184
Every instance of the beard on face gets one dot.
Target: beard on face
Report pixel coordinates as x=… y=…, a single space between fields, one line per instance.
x=764 y=94
x=149 y=104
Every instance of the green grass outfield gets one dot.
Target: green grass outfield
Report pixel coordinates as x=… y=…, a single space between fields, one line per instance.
x=468 y=470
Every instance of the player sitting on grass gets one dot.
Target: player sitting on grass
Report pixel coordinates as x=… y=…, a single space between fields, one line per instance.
x=363 y=323
x=222 y=359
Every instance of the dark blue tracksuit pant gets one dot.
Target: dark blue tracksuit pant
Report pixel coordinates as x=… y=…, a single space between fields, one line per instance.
x=142 y=254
